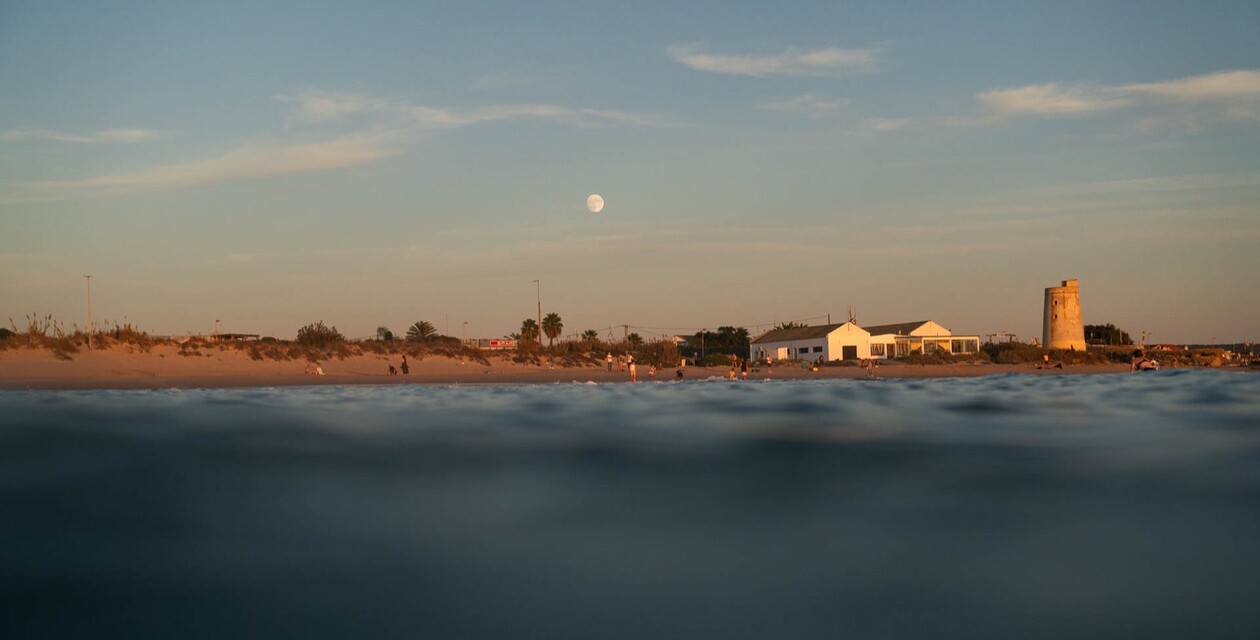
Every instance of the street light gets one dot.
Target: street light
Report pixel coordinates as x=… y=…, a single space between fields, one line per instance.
x=538 y=295
x=89 y=300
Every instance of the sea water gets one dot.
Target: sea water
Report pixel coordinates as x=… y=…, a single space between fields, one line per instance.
x=997 y=507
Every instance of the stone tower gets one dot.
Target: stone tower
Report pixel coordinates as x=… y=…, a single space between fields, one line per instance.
x=1063 y=327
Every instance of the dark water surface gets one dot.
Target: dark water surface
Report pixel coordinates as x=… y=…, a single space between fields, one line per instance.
x=1000 y=507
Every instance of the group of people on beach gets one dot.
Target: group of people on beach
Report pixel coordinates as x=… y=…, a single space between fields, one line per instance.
x=404 y=367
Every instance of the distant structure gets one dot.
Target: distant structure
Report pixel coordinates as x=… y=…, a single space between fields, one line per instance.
x=1063 y=327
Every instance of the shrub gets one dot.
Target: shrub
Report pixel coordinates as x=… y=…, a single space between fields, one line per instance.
x=319 y=335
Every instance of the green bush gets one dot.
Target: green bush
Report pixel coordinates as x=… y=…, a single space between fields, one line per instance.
x=319 y=335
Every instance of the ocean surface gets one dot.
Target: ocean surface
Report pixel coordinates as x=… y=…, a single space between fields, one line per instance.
x=1122 y=506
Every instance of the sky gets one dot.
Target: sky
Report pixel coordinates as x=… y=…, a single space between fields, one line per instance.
x=272 y=164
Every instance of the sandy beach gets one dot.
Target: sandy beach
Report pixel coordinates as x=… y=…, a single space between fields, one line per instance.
x=123 y=367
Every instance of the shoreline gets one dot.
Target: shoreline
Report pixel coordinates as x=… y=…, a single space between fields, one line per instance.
x=122 y=368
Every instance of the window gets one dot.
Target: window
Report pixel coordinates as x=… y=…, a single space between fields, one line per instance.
x=817 y=349
x=877 y=349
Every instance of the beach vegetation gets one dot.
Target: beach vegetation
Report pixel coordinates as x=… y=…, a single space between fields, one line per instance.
x=421 y=331
x=1106 y=334
x=384 y=334
x=726 y=340
x=529 y=331
x=590 y=338
x=319 y=335
x=553 y=326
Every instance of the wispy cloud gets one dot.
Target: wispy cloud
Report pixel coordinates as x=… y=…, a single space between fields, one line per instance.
x=450 y=118
x=1051 y=99
x=387 y=127
x=1238 y=91
x=322 y=106
x=1223 y=86
x=1191 y=102
x=809 y=105
x=114 y=136
x=792 y=62
x=244 y=163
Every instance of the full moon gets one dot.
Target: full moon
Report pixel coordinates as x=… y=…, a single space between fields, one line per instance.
x=595 y=203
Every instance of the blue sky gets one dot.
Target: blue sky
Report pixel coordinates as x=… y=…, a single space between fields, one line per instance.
x=273 y=164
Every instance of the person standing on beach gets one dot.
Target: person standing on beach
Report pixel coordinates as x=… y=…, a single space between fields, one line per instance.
x=743 y=369
x=405 y=369
x=609 y=359
x=634 y=376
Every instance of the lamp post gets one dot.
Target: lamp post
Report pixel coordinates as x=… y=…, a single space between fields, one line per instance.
x=89 y=301
x=538 y=296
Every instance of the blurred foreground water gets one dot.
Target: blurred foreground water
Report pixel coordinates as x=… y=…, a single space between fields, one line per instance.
x=999 y=507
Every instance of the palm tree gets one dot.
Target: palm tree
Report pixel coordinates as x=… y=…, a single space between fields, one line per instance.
x=529 y=330
x=590 y=335
x=421 y=331
x=552 y=326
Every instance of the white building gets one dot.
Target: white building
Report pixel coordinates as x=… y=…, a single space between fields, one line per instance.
x=832 y=342
x=924 y=336
x=850 y=342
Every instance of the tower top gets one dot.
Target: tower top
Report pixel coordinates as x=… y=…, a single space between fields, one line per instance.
x=1071 y=284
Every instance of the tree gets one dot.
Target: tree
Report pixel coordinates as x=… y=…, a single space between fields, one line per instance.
x=529 y=330
x=384 y=334
x=421 y=331
x=552 y=326
x=1106 y=334
x=319 y=335
x=789 y=325
x=634 y=340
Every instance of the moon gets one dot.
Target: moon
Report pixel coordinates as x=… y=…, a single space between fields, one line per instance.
x=595 y=203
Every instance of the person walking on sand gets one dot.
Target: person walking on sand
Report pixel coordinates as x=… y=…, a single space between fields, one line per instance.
x=405 y=369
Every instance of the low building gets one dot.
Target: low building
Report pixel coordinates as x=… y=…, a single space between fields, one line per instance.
x=924 y=336
x=848 y=341
x=845 y=341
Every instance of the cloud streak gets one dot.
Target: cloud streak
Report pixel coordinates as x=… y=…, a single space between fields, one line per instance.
x=385 y=130
x=108 y=136
x=808 y=105
x=791 y=62
x=244 y=163
x=1238 y=91
x=449 y=118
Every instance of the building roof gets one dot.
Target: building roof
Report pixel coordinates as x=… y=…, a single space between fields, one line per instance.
x=901 y=329
x=798 y=333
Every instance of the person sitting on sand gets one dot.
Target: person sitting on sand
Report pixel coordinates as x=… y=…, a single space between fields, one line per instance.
x=678 y=374
x=392 y=370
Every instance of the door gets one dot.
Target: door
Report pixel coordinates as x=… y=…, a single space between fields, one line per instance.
x=849 y=351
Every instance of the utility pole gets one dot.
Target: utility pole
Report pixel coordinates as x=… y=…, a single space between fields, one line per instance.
x=465 y=334
x=538 y=296
x=89 y=299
